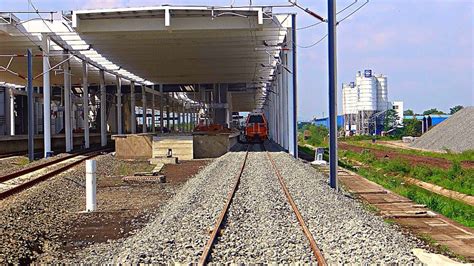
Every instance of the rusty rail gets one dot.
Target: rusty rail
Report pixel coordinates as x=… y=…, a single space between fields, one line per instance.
x=220 y=219
x=317 y=253
x=41 y=166
x=207 y=248
x=34 y=181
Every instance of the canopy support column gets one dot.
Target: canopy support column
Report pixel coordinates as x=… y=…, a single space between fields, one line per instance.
x=85 y=103
x=67 y=106
x=103 y=107
x=168 y=113
x=153 y=110
x=161 y=108
x=144 y=130
x=46 y=97
x=132 y=108
x=119 y=106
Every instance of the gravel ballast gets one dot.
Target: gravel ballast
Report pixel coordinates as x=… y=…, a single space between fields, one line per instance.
x=43 y=223
x=344 y=230
x=261 y=226
x=181 y=228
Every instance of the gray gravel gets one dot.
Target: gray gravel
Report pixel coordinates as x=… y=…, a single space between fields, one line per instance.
x=16 y=163
x=32 y=221
x=181 y=228
x=261 y=226
x=455 y=133
x=344 y=231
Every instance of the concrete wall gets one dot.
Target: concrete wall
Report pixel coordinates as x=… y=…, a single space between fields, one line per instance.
x=133 y=146
x=212 y=145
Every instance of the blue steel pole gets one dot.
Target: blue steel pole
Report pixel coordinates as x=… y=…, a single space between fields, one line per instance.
x=332 y=94
x=31 y=125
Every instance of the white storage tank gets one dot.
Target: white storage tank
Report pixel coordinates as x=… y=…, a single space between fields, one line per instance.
x=349 y=98
x=382 y=93
x=367 y=92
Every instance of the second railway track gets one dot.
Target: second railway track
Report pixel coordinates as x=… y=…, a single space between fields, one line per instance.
x=245 y=215
x=18 y=181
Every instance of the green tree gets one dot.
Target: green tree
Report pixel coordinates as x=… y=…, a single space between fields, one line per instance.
x=411 y=127
x=456 y=108
x=390 y=119
x=433 y=111
x=318 y=137
x=408 y=112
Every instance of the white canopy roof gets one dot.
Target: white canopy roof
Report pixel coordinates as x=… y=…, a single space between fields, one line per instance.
x=151 y=45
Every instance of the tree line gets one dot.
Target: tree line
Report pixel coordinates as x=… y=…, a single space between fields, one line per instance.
x=435 y=111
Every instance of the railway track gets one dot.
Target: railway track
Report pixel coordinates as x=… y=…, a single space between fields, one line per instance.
x=222 y=216
x=16 y=182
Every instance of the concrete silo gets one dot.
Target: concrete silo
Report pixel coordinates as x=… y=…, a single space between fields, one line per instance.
x=363 y=100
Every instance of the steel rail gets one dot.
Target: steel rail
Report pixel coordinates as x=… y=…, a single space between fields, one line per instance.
x=317 y=253
x=220 y=219
x=34 y=181
x=37 y=167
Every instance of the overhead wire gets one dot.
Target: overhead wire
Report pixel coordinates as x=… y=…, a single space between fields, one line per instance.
x=313 y=44
x=345 y=8
x=344 y=18
x=39 y=15
x=27 y=35
x=353 y=12
x=320 y=22
x=310 y=26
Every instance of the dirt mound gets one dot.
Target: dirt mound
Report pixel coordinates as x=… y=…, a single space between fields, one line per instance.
x=455 y=133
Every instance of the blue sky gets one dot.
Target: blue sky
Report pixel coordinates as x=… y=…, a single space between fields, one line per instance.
x=425 y=47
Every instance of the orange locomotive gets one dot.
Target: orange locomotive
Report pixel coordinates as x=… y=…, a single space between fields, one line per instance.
x=256 y=127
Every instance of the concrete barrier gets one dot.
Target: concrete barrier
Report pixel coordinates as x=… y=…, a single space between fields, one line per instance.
x=212 y=145
x=133 y=146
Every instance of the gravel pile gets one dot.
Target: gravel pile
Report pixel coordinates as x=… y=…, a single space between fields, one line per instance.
x=181 y=228
x=345 y=232
x=261 y=226
x=455 y=133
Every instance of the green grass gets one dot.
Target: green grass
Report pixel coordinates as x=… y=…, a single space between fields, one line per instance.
x=368 y=137
x=458 y=211
x=126 y=168
x=306 y=150
x=463 y=156
x=456 y=178
x=22 y=161
x=391 y=177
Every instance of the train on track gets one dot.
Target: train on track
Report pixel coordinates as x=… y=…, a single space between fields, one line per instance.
x=256 y=128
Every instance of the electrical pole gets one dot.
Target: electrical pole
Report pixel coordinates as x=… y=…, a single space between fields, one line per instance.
x=333 y=165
